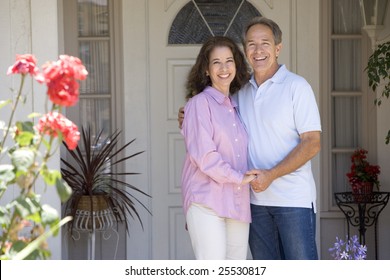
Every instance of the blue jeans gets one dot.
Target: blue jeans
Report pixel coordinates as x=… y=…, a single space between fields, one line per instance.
x=282 y=233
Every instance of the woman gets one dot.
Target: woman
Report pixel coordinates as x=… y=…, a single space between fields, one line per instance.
x=214 y=184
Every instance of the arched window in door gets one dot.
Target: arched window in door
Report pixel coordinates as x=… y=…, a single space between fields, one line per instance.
x=200 y=19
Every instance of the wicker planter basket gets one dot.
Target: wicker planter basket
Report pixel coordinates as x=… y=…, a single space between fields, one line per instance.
x=97 y=215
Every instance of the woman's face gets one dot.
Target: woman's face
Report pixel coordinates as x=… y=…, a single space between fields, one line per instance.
x=222 y=69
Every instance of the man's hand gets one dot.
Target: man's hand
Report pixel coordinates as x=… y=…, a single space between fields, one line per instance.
x=180 y=117
x=263 y=180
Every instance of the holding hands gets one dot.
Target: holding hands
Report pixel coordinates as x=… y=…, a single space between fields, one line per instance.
x=262 y=180
x=248 y=178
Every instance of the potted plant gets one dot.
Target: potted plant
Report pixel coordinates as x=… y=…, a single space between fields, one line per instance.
x=363 y=176
x=378 y=70
x=91 y=173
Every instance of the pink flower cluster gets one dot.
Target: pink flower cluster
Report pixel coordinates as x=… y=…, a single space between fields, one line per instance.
x=61 y=78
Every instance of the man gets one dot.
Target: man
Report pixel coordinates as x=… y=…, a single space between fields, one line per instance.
x=281 y=116
x=280 y=113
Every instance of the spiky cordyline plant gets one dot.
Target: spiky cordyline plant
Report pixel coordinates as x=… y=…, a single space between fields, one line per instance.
x=93 y=173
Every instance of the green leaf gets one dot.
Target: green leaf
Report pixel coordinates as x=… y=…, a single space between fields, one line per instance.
x=3 y=188
x=25 y=126
x=5 y=217
x=23 y=158
x=6 y=174
x=34 y=115
x=24 y=138
x=26 y=206
x=49 y=215
x=35 y=217
x=64 y=190
x=50 y=176
x=4 y=103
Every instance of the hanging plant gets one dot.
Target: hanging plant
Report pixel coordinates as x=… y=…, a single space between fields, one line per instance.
x=378 y=71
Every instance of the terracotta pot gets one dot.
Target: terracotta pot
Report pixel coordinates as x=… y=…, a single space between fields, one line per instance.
x=362 y=191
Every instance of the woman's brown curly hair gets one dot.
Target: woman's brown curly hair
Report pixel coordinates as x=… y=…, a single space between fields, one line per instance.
x=198 y=80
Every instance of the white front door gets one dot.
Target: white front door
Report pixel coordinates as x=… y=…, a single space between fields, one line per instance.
x=169 y=66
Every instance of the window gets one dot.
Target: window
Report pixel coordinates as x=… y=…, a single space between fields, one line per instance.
x=346 y=91
x=88 y=27
x=94 y=51
x=345 y=114
x=200 y=19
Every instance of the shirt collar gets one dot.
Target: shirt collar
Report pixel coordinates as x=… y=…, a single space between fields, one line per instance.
x=278 y=77
x=218 y=96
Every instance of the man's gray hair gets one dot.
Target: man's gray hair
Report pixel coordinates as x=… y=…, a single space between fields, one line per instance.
x=267 y=22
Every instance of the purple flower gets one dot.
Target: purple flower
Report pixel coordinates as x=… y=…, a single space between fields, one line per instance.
x=351 y=249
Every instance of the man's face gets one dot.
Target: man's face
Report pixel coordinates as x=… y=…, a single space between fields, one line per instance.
x=260 y=48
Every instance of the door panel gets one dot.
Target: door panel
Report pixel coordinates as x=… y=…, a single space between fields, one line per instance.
x=169 y=66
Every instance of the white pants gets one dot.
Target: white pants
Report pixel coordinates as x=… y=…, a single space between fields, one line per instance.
x=216 y=238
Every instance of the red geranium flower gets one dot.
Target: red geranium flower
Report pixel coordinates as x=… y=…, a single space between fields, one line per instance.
x=54 y=123
x=61 y=78
x=362 y=170
x=24 y=64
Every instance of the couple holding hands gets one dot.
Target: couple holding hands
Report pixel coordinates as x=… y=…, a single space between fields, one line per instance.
x=249 y=141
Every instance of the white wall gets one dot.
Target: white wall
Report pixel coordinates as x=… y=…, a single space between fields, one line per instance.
x=306 y=50
x=44 y=44
x=136 y=112
x=30 y=27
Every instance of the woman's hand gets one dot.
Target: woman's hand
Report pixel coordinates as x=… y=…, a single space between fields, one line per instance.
x=180 y=116
x=248 y=178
